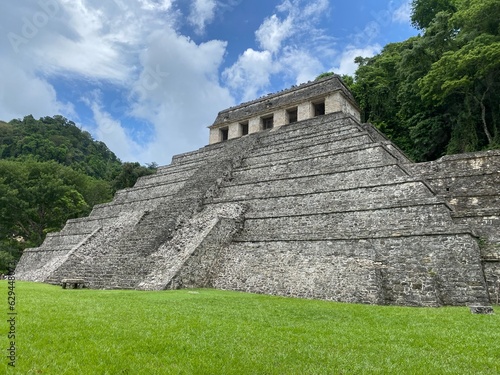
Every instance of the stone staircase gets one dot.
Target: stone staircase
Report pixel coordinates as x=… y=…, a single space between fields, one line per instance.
x=124 y=249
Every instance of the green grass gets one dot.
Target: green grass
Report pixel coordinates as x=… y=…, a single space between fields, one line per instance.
x=216 y=332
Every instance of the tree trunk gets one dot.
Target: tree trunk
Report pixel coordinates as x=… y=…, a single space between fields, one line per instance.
x=483 y=116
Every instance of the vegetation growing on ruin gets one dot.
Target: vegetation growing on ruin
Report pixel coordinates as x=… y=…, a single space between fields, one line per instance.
x=218 y=332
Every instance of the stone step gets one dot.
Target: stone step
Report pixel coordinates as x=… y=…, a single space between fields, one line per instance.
x=276 y=139
x=377 y=136
x=270 y=186
x=219 y=151
x=313 y=139
x=388 y=222
x=382 y=196
x=146 y=204
x=97 y=248
x=478 y=163
x=159 y=225
x=490 y=250
x=174 y=167
x=301 y=149
x=474 y=184
x=151 y=192
x=60 y=239
x=62 y=248
x=314 y=205
x=486 y=224
x=317 y=127
x=30 y=269
x=490 y=215
x=191 y=159
x=104 y=211
x=425 y=170
x=80 y=227
x=161 y=178
x=323 y=163
x=475 y=203
x=197 y=155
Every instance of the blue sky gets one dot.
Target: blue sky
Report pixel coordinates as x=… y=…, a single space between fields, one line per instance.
x=148 y=76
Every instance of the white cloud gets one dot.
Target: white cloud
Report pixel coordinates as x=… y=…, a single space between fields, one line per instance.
x=315 y=8
x=305 y=10
x=89 y=38
x=179 y=93
x=346 y=64
x=169 y=83
x=155 y=5
x=403 y=13
x=273 y=32
x=301 y=65
x=202 y=13
x=102 y=37
x=251 y=73
x=111 y=132
x=23 y=93
x=370 y=32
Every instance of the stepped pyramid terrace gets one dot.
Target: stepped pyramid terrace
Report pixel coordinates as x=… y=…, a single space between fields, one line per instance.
x=294 y=196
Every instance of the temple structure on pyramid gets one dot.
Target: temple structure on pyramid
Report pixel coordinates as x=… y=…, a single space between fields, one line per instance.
x=294 y=196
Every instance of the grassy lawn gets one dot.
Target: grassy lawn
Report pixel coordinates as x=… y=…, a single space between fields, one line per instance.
x=216 y=332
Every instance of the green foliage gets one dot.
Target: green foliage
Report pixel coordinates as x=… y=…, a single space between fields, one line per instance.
x=51 y=171
x=37 y=198
x=220 y=332
x=58 y=139
x=438 y=93
x=376 y=89
x=324 y=75
x=425 y=11
x=129 y=174
x=348 y=81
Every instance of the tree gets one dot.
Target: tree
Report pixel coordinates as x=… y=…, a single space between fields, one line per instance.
x=468 y=75
x=376 y=87
x=37 y=198
x=56 y=138
x=129 y=174
x=438 y=93
x=424 y=11
x=465 y=79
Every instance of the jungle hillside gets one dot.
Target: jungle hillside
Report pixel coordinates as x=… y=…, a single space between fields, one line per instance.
x=52 y=171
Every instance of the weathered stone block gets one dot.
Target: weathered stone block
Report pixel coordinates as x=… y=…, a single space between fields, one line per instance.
x=478 y=309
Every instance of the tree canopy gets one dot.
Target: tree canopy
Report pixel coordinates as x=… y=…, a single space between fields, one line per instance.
x=439 y=92
x=58 y=139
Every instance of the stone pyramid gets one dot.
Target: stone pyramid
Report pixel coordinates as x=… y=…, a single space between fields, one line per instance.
x=317 y=205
